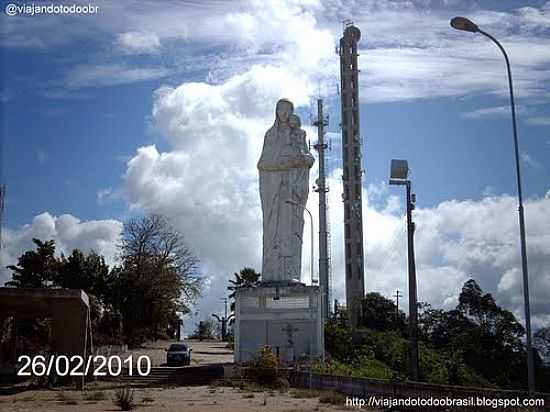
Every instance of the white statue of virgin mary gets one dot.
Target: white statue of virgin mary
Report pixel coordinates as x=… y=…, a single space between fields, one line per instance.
x=284 y=176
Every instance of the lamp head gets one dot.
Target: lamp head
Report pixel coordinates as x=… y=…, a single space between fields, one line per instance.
x=462 y=23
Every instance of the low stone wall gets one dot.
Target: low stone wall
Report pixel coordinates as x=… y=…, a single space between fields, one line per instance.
x=108 y=350
x=365 y=387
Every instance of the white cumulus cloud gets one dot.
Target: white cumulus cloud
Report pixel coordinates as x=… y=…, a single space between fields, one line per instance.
x=136 y=42
x=68 y=232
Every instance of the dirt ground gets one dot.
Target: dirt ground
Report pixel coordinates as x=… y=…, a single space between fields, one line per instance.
x=98 y=396
x=189 y=399
x=204 y=353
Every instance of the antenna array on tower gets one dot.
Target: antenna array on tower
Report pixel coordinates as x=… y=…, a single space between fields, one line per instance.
x=322 y=188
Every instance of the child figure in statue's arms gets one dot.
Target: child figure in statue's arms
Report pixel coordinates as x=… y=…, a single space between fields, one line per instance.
x=296 y=151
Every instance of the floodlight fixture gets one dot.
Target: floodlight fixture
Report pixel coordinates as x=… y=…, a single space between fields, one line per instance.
x=399 y=172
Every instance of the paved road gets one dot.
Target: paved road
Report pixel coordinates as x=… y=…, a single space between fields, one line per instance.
x=204 y=353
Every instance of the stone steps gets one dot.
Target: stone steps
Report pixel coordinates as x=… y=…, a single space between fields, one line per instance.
x=184 y=376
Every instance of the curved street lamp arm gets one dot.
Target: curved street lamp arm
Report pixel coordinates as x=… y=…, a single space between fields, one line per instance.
x=312 y=258
x=513 y=104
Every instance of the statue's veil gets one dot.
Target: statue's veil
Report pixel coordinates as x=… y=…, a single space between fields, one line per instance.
x=271 y=136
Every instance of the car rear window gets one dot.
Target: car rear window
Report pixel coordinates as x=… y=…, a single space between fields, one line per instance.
x=177 y=348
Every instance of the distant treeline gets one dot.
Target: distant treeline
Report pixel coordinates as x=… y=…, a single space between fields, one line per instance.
x=155 y=277
x=476 y=344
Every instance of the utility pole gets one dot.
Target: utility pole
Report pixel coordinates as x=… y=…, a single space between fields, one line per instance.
x=397 y=296
x=322 y=189
x=225 y=304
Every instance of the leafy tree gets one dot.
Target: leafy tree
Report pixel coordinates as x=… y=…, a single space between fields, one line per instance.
x=159 y=277
x=87 y=272
x=442 y=328
x=205 y=329
x=380 y=313
x=35 y=268
x=480 y=335
x=541 y=340
x=338 y=340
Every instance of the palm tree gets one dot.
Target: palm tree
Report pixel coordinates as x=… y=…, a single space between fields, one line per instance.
x=246 y=278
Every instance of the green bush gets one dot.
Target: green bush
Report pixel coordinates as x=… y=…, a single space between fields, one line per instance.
x=389 y=348
x=338 y=342
x=361 y=368
x=384 y=355
x=264 y=370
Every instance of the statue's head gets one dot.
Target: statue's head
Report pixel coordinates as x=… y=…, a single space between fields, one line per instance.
x=284 y=109
x=294 y=121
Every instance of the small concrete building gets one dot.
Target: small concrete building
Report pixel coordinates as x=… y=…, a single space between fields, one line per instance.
x=286 y=317
x=68 y=309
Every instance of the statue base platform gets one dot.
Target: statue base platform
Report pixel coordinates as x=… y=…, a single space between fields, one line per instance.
x=283 y=315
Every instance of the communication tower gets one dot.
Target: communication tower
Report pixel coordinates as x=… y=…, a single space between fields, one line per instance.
x=352 y=172
x=322 y=188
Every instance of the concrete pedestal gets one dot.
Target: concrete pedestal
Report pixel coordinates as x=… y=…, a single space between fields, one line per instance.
x=283 y=315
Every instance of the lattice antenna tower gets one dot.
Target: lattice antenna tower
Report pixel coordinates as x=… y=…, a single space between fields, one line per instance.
x=322 y=188
x=352 y=171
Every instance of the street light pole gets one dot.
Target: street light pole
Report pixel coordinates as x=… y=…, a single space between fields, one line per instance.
x=413 y=309
x=399 y=176
x=461 y=23
x=293 y=203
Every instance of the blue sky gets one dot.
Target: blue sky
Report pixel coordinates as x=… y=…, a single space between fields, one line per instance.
x=84 y=98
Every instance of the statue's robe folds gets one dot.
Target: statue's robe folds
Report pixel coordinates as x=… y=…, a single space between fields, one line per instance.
x=282 y=178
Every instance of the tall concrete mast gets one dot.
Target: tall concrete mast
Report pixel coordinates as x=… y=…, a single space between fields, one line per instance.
x=322 y=189
x=352 y=172
x=2 y=197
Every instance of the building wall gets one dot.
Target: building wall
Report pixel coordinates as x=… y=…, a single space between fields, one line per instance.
x=291 y=325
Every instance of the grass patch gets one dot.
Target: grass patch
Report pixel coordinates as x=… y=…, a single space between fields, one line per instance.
x=251 y=387
x=248 y=396
x=362 y=367
x=94 y=396
x=305 y=393
x=148 y=399
x=67 y=400
x=333 y=398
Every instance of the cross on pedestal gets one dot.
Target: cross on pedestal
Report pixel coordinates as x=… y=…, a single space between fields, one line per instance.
x=289 y=329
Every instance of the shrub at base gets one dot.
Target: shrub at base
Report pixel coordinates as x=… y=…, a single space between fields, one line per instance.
x=264 y=369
